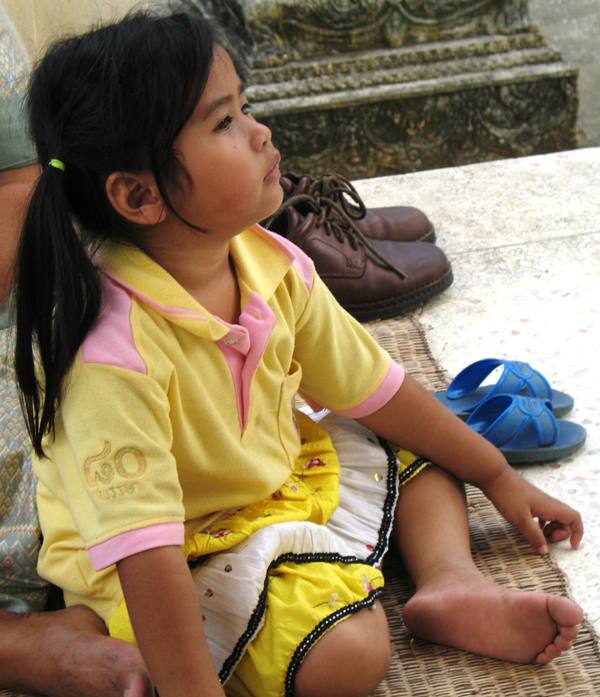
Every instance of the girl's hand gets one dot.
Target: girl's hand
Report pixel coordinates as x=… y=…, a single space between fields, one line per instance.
x=540 y=517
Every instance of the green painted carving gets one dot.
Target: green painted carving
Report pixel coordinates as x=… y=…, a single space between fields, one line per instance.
x=290 y=31
x=368 y=87
x=437 y=130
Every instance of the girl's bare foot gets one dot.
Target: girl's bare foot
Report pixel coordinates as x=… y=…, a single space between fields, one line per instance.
x=474 y=614
x=67 y=654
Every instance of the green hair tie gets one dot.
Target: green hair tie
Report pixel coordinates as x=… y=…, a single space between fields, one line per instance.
x=57 y=164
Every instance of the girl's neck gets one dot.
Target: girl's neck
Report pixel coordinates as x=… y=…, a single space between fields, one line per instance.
x=200 y=263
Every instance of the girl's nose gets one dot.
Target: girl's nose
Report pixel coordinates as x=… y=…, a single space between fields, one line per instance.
x=261 y=136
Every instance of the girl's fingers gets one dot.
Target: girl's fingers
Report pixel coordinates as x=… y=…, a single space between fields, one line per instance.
x=563 y=517
x=576 y=532
x=549 y=529
x=534 y=534
x=556 y=532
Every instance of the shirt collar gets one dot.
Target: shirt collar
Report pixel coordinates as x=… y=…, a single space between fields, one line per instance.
x=260 y=261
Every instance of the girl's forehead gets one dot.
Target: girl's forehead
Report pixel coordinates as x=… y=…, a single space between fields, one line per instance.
x=223 y=84
x=222 y=70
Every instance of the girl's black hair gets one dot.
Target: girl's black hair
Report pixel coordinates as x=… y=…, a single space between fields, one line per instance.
x=110 y=100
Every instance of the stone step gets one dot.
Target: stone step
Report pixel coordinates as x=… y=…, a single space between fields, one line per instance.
x=404 y=57
x=326 y=82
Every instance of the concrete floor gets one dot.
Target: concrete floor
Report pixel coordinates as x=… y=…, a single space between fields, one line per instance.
x=523 y=236
x=573 y=27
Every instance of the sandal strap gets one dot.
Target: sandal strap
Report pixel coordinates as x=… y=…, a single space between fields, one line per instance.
x=517 y=377
x=502 y=417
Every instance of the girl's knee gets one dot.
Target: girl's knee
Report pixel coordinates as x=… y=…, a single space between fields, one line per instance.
x=350 y=660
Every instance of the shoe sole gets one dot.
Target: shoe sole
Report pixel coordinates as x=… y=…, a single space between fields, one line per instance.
x=399 y=305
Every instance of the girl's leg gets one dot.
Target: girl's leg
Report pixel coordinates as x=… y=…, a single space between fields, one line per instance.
x=454 y=603
x=350 y=660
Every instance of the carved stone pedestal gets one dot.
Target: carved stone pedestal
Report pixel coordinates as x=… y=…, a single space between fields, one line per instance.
x=371 y=87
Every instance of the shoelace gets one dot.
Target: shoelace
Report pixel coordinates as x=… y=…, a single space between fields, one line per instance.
x=327 y=197
x=338 y=188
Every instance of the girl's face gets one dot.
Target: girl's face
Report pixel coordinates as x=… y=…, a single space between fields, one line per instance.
x=229 y=156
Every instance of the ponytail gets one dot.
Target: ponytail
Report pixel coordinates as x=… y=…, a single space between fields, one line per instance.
x=57 y=302
x=114 y=99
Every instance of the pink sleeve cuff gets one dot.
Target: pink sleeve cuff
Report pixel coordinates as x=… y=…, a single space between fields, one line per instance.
x=134 y=541
x=382 y=395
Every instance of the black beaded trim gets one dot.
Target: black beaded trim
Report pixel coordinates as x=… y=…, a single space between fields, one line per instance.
x=389 y=504
x=413 y=469
x=246 y=637
x=257 y=614
x=307 y=643
x=309 y=557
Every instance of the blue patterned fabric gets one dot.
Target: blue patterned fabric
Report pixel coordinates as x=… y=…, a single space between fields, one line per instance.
x=16 y=149
x=21 y=589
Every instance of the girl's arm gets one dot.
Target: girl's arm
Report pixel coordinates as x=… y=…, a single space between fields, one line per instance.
x=417 y=421
x=165 y=614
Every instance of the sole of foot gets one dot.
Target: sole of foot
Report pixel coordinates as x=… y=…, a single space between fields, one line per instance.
x=489 y=620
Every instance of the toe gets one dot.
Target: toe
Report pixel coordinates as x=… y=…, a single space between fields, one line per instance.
x=562 y=644
x=552 y=651
x=542 y=659
x=548 y=654
x=568 y=633
x=564 y=612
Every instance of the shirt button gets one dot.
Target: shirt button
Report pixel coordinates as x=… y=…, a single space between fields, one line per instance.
x=231 y=340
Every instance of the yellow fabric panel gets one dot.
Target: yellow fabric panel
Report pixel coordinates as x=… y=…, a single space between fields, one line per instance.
x=300 y=597
x=310 y=494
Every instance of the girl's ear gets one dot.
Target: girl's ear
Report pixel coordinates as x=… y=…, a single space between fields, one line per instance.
x=135 y=196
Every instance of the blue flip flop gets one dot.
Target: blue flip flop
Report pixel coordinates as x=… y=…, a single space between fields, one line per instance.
x=525 y=429
x=465 y=393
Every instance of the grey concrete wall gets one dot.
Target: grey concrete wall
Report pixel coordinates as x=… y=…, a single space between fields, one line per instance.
x=573 y=27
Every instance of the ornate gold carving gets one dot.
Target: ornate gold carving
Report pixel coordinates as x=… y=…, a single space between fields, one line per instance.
x=437 y=130
x=301 y=30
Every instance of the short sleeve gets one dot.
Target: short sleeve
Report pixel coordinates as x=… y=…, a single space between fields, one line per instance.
x=112 y=453
x=343 y=367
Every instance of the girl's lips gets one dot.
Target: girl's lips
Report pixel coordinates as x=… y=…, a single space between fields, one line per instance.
x=274 y=172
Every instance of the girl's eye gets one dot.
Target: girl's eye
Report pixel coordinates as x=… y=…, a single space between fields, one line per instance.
x=224 y=124
x=227 y=121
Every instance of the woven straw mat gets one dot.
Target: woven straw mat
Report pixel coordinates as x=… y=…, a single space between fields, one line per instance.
x=421 y=669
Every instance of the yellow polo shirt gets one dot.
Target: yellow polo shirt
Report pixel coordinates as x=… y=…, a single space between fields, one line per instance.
x=172 y=417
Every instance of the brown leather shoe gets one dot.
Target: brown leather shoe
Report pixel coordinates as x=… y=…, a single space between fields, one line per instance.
x=371 y=279
x=396 y=223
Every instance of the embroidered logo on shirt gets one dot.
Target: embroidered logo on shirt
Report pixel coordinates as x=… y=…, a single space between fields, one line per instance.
x=112 y=475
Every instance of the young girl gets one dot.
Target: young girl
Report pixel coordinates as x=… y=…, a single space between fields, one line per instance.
x=180 y=495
